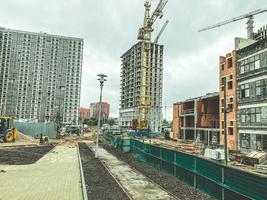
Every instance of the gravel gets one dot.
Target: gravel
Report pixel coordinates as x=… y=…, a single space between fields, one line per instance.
x=166 y=181
x=100 y=185
x=22 y=155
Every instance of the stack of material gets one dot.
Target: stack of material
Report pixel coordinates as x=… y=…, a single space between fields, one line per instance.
x=236 y=156
x=255 y=157
x=215 y=154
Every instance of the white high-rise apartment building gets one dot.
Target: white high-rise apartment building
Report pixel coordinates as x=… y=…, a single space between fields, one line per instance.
x=40 y=76
x=130 y=86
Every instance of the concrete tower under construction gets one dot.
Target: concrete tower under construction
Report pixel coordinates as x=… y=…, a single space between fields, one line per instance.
x=131 y=82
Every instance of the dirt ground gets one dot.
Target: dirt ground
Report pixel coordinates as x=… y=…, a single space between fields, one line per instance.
x=22 y=155
x=99 y=183
x=168 y=182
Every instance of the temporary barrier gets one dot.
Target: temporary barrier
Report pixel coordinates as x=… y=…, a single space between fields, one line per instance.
x=117 y=142
x=217 y=180
x=36 y=129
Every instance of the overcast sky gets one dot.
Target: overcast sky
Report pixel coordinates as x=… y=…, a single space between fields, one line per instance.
x=109 y=28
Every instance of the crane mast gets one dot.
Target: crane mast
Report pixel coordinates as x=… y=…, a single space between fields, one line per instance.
x=250 y=22
x=144 y=35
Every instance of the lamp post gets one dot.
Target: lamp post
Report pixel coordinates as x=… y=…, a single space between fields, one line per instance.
x=101 y=80
x=225 y=123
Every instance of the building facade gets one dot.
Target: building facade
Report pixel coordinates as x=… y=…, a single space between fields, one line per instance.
x=252 y=96
x=104 y=110
x=84 y=113
x=91 y=110
x=197 y=119
x=228 y=68
x=130 y=86
x=40 y=76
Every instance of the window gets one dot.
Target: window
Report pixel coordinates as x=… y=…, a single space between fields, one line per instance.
x=258 y=88
x=222 y=83
x=230 y=85
x=245 y=140
x=257 y=64
x=244 y=91
x=230 y=107
x=258 y=115
x=230 y=130
x=259 y=142
x=251 y=115
x=251 y=66
x=229 y=62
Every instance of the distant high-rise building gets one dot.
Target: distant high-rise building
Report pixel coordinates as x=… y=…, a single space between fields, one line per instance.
x=130 y=86
x=84 y=113
x=105 y=110
x=91 y=110
x=40 y=76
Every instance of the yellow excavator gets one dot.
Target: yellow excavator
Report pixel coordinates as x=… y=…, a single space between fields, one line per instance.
x=8 y=132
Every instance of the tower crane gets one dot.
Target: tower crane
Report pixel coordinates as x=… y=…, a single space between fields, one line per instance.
x=161 y=31
x=250 y=22
x=144 y=36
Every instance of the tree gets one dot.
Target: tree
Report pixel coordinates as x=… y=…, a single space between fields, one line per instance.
x=165 y=123
x=111 y=122
x=90 y=122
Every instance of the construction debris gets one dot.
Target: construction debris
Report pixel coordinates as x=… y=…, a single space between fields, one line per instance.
x=255 y=157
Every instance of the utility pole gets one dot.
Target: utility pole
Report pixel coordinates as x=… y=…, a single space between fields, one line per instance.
x=101 y=80
x=225 y=123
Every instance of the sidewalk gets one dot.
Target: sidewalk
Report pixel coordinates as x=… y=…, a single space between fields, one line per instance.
x=55 y=176
x=137 y=185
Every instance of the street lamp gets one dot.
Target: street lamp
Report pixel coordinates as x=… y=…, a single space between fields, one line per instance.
x=101 y=80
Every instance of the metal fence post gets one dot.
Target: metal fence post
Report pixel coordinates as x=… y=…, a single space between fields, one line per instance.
x=195 y=169
x=160 y=158
x=223 y=183
x=174 y=153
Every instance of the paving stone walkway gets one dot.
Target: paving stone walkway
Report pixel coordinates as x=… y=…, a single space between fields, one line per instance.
x=56 y=176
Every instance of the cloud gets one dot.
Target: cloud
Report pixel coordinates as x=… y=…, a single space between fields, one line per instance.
x=109 y=28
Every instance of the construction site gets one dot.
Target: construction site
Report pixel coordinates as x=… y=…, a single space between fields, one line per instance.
x=214 y=148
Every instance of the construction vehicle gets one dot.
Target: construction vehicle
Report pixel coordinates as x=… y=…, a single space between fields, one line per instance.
x=8 y=132
x=144 y=36
x=250 y=22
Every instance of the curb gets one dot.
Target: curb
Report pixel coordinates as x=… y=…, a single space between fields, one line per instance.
x=85 y=197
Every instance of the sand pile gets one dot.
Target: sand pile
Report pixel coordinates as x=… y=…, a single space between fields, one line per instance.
x=25 y=138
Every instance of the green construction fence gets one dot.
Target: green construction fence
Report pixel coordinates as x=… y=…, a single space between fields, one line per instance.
x=118 y=142
x=219 y=181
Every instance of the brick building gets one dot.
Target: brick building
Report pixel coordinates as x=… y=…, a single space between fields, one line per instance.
x=105 y=110
x=84 y=113
x=197 y=119
x=228 y=71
